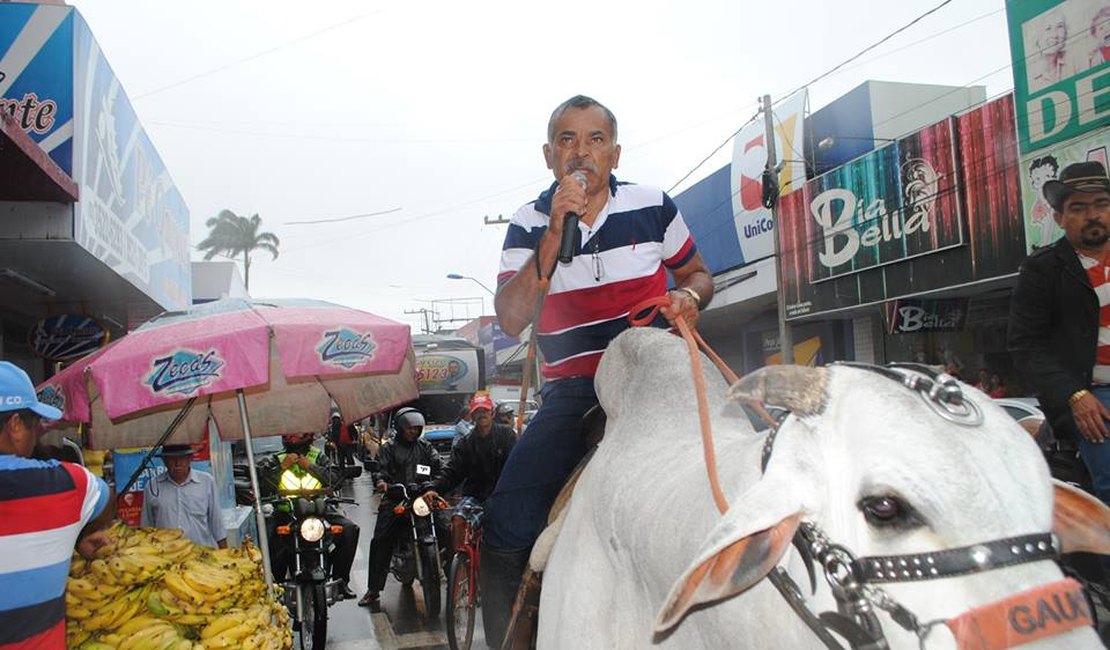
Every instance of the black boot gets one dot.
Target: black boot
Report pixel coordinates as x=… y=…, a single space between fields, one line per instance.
x=500 y=580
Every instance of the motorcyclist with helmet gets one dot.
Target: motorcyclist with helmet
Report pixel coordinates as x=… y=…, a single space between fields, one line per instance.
x=299 y=460
x=406 y=459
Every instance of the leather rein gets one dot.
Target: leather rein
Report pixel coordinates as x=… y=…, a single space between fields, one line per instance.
x=854 y=580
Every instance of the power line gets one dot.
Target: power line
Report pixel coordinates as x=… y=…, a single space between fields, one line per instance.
x=868 y=48
x=257 y=55
x=339 y=219
x=815 y=80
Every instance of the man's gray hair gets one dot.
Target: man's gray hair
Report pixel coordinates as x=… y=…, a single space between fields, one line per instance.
x=579 y=101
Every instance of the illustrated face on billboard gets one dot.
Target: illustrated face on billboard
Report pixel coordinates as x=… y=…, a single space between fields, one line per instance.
x=1059 y=51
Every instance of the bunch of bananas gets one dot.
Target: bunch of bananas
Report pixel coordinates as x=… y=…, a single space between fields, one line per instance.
x=153 y=589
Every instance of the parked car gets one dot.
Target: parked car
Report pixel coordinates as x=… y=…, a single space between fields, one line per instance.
x=441 y=437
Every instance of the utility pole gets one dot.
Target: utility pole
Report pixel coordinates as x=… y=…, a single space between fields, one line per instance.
x=428 y=315
x=770 y=175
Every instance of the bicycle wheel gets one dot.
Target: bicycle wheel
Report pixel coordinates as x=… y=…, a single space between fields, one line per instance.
x=460 y=604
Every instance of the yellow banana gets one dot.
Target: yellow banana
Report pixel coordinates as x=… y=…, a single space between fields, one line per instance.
x=77 y=613
x=190 y=619
x=201 y=584
x=80 y=586
x=139 y=623
x=184 y=592
x=222 y=623
x=148 y=638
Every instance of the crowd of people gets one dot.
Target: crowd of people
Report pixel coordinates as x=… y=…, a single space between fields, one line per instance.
x=1059 y=338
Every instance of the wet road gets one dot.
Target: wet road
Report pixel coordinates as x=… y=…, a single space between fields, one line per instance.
x=401 y=623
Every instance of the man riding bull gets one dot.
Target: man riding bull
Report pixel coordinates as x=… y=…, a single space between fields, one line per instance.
x=631 y=237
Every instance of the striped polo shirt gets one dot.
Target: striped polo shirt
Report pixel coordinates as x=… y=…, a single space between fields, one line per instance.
x=621 y=260
x=43 y=507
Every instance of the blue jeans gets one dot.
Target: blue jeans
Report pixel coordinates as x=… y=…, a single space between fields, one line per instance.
x=538 y=466
x=1097 y=456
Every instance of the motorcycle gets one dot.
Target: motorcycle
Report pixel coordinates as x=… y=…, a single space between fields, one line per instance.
x=417 y=556
x=308 y=537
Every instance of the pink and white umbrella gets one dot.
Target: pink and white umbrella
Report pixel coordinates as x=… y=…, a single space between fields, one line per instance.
x=256 y=368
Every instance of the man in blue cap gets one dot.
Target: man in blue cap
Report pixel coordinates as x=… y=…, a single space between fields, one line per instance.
x=45 y=506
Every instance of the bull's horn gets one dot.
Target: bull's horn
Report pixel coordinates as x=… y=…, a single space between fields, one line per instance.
x=799 y=389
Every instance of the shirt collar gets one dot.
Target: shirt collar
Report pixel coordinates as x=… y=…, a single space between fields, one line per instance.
x=191 y=478
x=543 y=201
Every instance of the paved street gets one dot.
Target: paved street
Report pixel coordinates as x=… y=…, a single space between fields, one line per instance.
x=401 y=623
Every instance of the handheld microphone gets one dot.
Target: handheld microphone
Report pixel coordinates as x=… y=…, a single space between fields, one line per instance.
x=570 y=227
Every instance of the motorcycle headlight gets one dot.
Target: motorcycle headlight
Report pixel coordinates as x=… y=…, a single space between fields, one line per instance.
x=312 y=529
x=420 y=507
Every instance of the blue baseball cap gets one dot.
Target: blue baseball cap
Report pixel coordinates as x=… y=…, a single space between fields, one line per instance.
x=17 y=392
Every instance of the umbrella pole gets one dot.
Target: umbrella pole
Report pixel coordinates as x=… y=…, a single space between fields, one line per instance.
x=259 y=518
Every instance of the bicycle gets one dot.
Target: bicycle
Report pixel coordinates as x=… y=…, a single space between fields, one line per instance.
x=463 y=595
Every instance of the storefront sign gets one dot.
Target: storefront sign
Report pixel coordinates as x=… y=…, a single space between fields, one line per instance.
x=131 y=216
x=1061 y=62
x=67 y=336
x=910 y=316
x=977 y=202
x=749 y=157
x=896 y=203
x=36 y=75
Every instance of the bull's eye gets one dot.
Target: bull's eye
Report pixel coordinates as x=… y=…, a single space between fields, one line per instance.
x=888 y=511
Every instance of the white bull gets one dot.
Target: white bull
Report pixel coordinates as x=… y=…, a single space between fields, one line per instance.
x=644 y=559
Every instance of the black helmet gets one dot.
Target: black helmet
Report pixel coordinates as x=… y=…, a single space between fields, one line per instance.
x=407 y=417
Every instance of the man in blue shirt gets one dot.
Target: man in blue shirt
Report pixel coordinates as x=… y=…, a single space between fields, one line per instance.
x=184 y=498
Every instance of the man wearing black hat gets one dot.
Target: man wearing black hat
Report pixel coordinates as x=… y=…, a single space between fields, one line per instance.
x=1060 y=317
x=184 y=498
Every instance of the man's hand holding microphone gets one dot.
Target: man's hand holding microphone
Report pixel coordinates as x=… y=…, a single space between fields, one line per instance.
x=569 y=202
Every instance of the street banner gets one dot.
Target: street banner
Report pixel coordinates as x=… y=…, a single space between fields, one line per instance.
x=1044 y=165
x=908 y=218
x=749 y=158
x=1061 y=62
x=912 y=316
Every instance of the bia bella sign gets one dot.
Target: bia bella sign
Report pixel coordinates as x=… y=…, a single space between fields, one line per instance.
x=910 y=316
x=895 y=203
x=1061 y=62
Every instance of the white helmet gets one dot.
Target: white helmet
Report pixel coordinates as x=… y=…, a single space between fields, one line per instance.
x=407 y=417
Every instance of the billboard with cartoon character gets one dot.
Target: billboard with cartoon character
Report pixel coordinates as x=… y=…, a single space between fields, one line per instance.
x=1041 y=228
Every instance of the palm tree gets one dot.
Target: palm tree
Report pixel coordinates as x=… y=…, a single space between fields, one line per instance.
x=231 y=235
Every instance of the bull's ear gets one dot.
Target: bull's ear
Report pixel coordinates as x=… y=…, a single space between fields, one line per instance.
x=742 y=549
x=1080 y=521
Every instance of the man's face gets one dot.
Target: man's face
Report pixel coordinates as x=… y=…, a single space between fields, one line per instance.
x=410 y=433
x=1086 y=219
x=1053 y=37
x=483 y=418
x=1101 y=31
x=178 y=467
x=583 y=142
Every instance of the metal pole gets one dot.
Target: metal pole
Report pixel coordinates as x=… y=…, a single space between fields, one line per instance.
x=786 y=338
x=259 y=518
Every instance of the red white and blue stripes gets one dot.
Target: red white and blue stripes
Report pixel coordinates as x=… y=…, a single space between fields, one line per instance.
x=43 y=507
x=620 y=262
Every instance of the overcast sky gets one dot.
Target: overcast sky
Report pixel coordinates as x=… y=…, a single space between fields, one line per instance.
x=436 y=111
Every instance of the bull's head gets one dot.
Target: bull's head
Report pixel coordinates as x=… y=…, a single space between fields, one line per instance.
x=881 y=473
